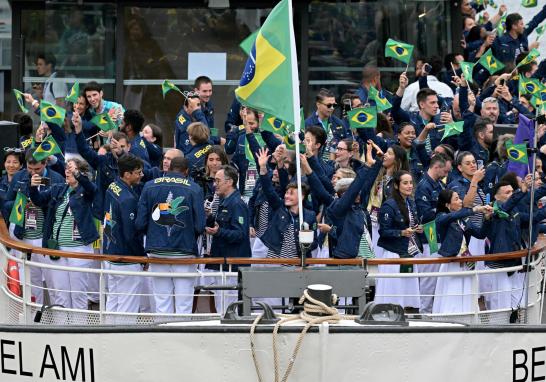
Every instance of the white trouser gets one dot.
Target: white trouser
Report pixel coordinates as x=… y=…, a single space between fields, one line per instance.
x=94 y=281
x=39 y=275
x=173 y=295
x=147 y=302
x=72 y=286
x=123 y=291
x=427 y=285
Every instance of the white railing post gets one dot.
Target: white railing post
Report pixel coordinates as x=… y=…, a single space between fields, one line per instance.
x=102 y=294
x=476 y=293
x=27 y=292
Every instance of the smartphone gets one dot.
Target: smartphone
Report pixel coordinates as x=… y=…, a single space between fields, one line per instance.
x=479 y=162
x=541 y=119
x=427 y=68
x=44 y=181
x=502 y=82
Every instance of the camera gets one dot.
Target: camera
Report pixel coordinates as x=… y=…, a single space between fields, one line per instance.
x=199 y=176
x=211 y=221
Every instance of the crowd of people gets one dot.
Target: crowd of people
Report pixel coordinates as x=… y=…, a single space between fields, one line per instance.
x=366 y=192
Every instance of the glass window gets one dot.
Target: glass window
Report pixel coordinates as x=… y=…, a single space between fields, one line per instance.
x=344 y=37
x=157 y=43
x=80 y=42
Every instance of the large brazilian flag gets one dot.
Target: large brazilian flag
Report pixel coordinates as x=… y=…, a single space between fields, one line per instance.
x=267 y=83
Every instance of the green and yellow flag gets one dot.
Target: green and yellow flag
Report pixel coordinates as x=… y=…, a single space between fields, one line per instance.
x=501 y=26
x=268 y=82
x=429 y=229
x=247 y=44
x=453 y=128
x=529 y=85
x=17 y=215
x=248 y=153
x=517 y=152
x=490 y=63
x=467 y=68
x=499 y=212
x=539 y=100
x=48 y=147
x=74 y=93
x=398 y=50
x=274 y=125
x=363 y=117
x=381 y=102
x=20 y=100
x=529 y=3
x=103 y=122
x=52 y=113
x=167 y=86
x=533 y=54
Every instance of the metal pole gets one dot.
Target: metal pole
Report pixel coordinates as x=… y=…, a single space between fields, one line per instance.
x=531 y=211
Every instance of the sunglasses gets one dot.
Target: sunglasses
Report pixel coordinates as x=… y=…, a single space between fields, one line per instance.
x=330 y=105
x=13 y=150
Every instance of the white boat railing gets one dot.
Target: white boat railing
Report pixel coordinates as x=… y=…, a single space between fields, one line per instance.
x=23 y=310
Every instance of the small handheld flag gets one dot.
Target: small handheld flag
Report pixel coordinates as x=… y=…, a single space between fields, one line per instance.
x=381 y=102
x=48 y=147
x=74 y=93
x=467 y=68
x=430 y=232
x=500 y=213
x=533 y=54
x=248 y=153
x=398 y=50
x=363 y=117
x=501 y=26
x=529 y=3
x=52 y=113
x=103 y=122
x=517 y=152
x=20 y=100
x=453 y=128
x=529 y=85
x=489 y=62
x=274 y=125
x=17 y=215
x=167 y=86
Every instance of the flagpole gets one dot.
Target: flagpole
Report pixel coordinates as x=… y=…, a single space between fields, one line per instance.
x=297 y=120
x=531 y=212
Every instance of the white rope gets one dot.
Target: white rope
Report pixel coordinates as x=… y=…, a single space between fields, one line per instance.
x=311 y=309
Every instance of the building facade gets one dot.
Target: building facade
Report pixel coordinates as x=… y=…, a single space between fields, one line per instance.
x=131 y=47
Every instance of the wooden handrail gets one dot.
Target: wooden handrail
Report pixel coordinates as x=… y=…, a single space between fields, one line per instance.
x=26 y=248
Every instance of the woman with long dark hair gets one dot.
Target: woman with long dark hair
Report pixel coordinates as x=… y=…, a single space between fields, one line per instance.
x=454 y=293
x=13 y=162
x=400 y=237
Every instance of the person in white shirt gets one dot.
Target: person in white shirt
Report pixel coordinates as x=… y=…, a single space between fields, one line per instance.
x=409 y=100
x=53 y=91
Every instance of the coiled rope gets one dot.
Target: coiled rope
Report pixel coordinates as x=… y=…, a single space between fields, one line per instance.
x=311 y=307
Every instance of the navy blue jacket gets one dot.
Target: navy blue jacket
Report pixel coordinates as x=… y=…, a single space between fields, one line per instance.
x=391 y=225
x=232 y=238
x=106 y=167
x=339 y=129
x=4 y=186
x=183 y=120
x=461 y=185
x=120 y=211
x=347 y=218
x=79 y=201
x=467 y=141
x=506 y=49
x=505 y=233
x=208 y=111
x=281 y=218
x=155 y=152
x=426 y=197
x=196 y=156
x=493 y=173
x=21 y=183
x=138 y=148
x=234 y=116
x=451 y=234
x=171 y=214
